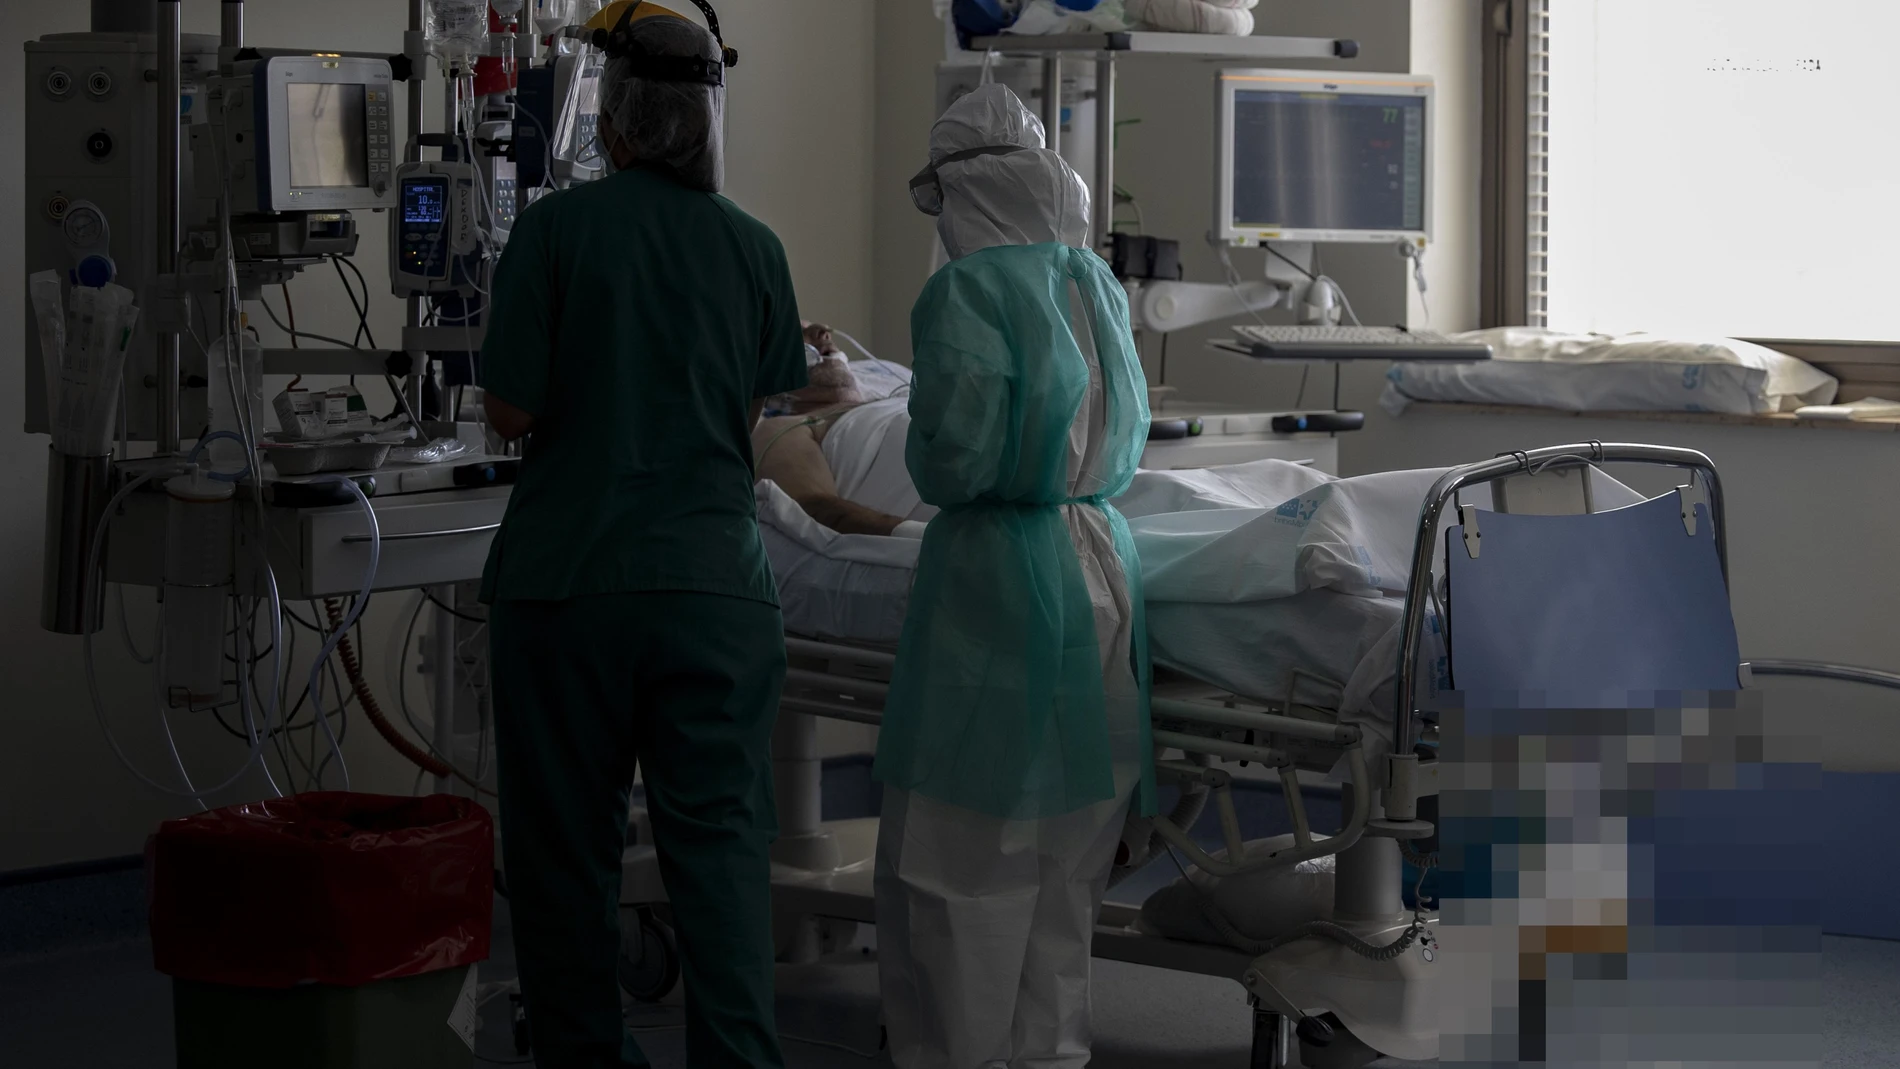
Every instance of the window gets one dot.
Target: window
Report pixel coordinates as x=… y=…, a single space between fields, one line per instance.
x=1722 y=167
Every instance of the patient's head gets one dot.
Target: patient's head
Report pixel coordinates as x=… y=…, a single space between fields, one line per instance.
x=831 y=384
x=818 y=336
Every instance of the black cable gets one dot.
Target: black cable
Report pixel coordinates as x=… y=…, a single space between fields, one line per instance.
x=458 y=615
x=1271 y=251
x=1300 y=401
x=363 y=331
x=338 y=342
x=1164 y=360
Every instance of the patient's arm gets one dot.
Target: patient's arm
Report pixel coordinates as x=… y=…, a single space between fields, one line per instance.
x=787 y=452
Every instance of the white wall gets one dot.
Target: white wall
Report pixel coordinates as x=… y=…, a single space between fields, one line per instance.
x=909 y=47
x=800 y=108
x=800 y=114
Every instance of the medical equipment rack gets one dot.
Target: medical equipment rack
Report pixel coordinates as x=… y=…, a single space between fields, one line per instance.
x=1108 y=48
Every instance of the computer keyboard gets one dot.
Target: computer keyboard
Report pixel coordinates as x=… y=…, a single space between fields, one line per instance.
x=1356 y=343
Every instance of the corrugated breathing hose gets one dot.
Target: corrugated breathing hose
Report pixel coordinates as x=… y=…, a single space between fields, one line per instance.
x=353 y=669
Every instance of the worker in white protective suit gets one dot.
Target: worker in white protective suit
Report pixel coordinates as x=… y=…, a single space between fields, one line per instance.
x=1016 y=730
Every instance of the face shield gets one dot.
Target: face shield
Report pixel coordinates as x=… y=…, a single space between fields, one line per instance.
x=662 y=95
x=991 y=181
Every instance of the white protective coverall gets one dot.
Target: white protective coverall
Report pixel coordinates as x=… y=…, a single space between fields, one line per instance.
x=985 y=924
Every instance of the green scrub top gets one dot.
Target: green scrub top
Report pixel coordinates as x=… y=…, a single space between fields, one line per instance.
x=637 y=320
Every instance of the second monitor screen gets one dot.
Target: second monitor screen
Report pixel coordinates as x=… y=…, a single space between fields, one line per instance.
x=1328 y=161
x=327 y=126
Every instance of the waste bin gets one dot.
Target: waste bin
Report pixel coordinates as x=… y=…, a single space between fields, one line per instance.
x=323 y=931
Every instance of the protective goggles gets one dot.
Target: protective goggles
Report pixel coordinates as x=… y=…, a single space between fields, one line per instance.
x=617 y=43
x=926 y=192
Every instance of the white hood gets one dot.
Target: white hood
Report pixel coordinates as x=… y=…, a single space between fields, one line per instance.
x=1022 y=198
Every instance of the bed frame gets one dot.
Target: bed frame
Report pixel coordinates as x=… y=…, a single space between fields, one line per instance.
x=823 y=870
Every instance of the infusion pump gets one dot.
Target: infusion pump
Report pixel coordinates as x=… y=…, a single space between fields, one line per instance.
x=433 y=238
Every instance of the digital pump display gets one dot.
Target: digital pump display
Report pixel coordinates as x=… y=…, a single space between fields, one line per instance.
x=425 y=200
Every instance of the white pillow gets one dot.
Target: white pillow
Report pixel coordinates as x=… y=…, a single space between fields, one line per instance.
x=1601 y=373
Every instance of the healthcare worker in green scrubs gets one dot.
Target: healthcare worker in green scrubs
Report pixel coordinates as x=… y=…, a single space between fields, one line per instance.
x=637 y=321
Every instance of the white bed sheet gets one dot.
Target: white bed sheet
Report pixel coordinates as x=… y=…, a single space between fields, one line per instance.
x=865 y=451
x=851 y=588
x=1236 y=596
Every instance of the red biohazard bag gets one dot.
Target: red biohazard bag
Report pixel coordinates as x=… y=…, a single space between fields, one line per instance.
x=330 y=887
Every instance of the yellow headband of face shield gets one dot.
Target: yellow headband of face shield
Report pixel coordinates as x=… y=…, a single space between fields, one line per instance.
x=609 y=16
x=623 y=13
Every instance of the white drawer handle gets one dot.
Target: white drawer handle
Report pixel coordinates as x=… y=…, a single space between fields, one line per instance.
x=424 y=534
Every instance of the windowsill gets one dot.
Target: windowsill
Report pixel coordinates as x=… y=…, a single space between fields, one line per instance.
x=1783 y=419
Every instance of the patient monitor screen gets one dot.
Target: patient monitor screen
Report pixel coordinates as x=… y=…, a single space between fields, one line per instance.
x=325 y=130
x=1328 y=161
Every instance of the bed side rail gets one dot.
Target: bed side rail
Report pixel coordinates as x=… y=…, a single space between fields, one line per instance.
x=1845 y=673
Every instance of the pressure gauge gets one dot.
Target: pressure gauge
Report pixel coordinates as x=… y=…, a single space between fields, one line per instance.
x=86 y=227
x=89 y=242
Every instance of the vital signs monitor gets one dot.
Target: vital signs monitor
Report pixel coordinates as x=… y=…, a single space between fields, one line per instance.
x=1302 y=157
x=309 y=133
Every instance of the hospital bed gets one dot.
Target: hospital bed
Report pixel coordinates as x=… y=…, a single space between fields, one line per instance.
x=1370 y=968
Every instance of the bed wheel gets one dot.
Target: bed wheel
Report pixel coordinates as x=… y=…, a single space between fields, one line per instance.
x=1315 y=1032
x=649 y=958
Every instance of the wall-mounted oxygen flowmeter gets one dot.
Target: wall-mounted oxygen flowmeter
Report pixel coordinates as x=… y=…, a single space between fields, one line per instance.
x=432 y=232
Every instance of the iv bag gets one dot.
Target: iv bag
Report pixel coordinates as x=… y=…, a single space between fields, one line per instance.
x=458 y=31
x=552 y=15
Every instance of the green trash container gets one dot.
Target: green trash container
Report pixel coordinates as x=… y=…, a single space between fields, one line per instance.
x=390 y=1024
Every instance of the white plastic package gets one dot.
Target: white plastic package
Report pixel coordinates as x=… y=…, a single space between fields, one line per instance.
x=86 y=370
x=1231 y=17
x=1601 y=373
x=1258 y=905
x=431 y=452
x=1867 y=408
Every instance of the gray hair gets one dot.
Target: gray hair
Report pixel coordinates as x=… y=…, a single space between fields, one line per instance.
x=677 y=127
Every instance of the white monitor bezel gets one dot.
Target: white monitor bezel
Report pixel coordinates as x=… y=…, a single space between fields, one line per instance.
x=1228 y=81
x=279 y=73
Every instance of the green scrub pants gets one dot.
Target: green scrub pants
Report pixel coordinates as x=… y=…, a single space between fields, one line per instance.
x=687 y=685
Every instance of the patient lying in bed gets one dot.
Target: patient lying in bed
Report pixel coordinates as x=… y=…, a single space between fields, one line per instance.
x=839 y=452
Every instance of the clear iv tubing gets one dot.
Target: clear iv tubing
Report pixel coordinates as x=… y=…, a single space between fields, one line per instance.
x=879 y=361
x=356 y=610
x=98 y=703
